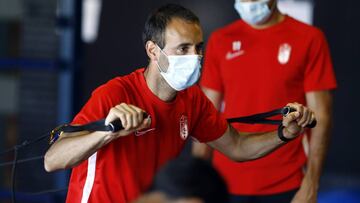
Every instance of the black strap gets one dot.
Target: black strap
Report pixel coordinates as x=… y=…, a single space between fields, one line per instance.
x=115 y=126
x=99 y=125
x=281 y=134
x=91 y=127
x=262 y=118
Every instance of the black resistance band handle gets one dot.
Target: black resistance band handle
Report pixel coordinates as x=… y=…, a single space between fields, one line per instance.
x=99 y=125
x=116 y=125
x=286 y=110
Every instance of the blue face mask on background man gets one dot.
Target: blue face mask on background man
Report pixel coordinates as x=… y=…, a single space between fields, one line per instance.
x=253 y=12
x=183 y=70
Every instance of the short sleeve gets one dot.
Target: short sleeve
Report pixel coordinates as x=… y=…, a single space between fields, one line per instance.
x=210 y=76
x=98 y=106
x=319 y=73
x=209 y=124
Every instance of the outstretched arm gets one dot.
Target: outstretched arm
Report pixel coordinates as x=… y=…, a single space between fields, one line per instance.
x=247 y=146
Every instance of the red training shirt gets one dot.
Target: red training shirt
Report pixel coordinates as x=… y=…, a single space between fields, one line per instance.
x=123 y=169
x=258 y=71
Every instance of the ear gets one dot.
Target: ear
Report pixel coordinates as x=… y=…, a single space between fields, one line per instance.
x=151 y=50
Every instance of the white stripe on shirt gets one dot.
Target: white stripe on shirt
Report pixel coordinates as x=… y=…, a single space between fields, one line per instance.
x=90 y=177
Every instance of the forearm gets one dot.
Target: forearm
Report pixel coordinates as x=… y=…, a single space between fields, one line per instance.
x=72 y=149
x=321 y=103
x=320 y=137
x=247 y=146
x=253 y=146
x=318 y=147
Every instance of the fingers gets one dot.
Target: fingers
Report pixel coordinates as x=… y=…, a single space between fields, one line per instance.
x=116 y=113
x=291 y=117
x=296 y=121
x=306 y=116
x=306 y=119
x=131 y=117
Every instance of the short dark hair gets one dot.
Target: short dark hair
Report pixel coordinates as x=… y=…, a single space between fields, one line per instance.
x=157 y=21
x=191 y=177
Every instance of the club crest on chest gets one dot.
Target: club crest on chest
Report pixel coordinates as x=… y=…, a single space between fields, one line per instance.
x=284 y=53
x=184 y=129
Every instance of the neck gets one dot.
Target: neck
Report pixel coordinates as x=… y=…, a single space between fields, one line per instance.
x=157 y=84
x=275 y=18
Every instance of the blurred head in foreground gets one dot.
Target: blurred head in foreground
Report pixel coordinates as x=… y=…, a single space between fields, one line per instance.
x=187 y=180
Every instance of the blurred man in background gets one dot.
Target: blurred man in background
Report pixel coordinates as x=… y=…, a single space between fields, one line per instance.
x=257 y=64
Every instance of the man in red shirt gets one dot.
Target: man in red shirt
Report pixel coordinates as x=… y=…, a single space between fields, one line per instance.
x=257 y=64
x=118 y=167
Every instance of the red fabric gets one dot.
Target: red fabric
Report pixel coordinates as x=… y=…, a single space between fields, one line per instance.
x=126 y=166
x=242 y=63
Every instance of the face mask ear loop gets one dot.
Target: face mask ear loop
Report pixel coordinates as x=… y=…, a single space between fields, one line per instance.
x=157 y=63
x=273 y=6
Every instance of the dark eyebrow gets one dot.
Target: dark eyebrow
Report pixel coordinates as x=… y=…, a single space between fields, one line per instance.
x=184 y=45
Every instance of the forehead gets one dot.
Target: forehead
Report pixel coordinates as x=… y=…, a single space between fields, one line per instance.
x=181 y=31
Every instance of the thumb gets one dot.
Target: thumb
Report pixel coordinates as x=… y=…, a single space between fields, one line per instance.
x=109 y=118
x=290 y=118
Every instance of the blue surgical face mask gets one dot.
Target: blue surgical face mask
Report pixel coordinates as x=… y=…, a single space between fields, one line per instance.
x=253 y=12
x=183 y=70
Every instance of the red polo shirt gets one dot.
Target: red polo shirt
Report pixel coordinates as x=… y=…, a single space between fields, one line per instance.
x=123 y=169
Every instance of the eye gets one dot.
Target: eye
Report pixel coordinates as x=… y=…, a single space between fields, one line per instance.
x=183 y=50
